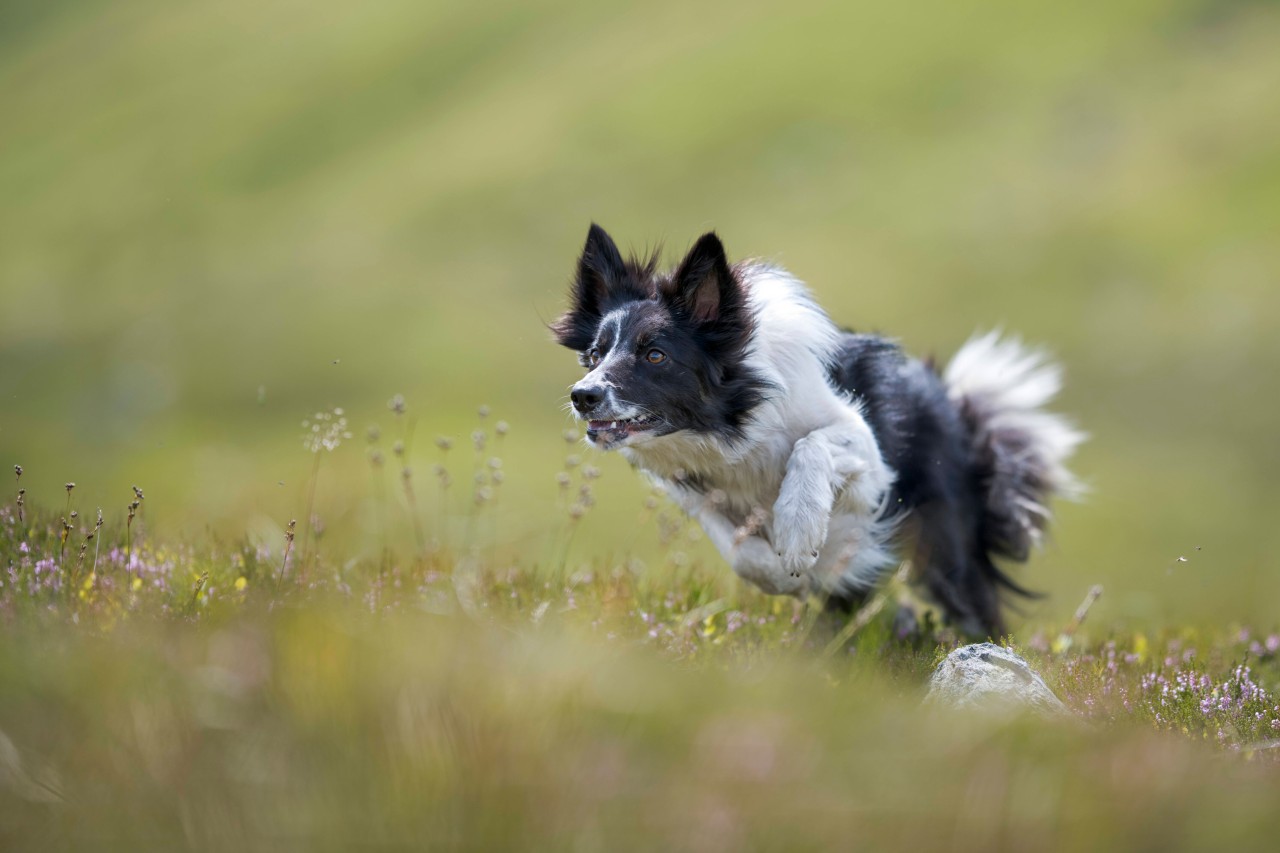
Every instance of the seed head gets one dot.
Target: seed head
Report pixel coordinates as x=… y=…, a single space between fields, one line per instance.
x=396 y=404
x=444 y=442
x=138 y=493
x=17 y=469
x=398 y=449
x=373 y=433
x=70 y=486
x=501 y=427
x=325 y=431
x=483 y=411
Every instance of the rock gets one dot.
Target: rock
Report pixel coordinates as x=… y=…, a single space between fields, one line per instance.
x=987 y=676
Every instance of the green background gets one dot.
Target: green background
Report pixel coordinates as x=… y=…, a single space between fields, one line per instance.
x=216 y=219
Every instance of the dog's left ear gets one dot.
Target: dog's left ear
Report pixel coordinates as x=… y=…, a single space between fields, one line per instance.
x=703 y=284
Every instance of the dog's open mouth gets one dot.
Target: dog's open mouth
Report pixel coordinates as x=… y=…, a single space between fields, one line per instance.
x=613 y=431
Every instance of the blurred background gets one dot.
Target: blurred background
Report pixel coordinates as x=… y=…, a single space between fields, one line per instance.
x=218 y=219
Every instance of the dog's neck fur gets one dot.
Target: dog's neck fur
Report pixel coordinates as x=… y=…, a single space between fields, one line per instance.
x=790 y=350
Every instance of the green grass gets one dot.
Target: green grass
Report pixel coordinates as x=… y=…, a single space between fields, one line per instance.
x=219 y=219
x=217 y=694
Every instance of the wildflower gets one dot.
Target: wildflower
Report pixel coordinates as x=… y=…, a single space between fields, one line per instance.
x=325 y=431
x=241 y=583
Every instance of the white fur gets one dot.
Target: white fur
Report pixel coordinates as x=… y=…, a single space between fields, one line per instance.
x=808 y=471
x=1013 y=383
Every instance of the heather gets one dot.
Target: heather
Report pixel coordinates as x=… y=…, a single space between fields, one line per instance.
x=226 y=693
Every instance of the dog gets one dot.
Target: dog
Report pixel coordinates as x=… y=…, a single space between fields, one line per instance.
x=816 y=459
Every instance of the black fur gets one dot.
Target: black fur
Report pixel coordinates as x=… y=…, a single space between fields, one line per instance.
x=944 y=478
x=697 y=317
x=965 y=490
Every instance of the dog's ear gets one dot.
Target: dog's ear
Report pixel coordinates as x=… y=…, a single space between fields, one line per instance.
x=703 y=284
x=600 y=270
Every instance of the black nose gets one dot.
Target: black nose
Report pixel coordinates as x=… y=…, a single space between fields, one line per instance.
x=586 y=399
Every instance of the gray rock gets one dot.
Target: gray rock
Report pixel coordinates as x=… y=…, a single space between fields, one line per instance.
x=987 y=676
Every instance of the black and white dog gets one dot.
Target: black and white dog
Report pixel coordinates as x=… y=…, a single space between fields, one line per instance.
x=813 y=457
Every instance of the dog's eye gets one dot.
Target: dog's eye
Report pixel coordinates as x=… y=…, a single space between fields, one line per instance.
x=593 y=357
x=655 y=356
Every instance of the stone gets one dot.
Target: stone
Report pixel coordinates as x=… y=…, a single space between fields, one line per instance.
x=986 y=676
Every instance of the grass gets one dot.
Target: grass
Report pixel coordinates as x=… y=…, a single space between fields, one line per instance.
x=219 y=217
x=221 y=694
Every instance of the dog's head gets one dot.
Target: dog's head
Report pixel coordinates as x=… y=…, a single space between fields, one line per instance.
x=664 y=352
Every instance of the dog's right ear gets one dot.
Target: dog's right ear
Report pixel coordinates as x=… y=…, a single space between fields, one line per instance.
x=600 y=270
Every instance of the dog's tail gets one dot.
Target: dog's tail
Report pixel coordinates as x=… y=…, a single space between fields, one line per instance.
x=1000 y=389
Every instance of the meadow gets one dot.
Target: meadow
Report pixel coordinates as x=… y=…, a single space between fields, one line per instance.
x=216 y=694
x=336 y=570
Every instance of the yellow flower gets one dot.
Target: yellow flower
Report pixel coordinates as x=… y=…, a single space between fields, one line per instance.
x=1140 y=647
x=241 y=583
x=708 y=626
x=137 y=584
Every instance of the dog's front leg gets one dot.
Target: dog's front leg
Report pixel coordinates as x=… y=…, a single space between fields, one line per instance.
x=840 y=458
x=751 y=557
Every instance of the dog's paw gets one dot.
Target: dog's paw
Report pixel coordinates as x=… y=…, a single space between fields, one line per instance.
x=756 y=561
x=798 y=565
x=798 y=541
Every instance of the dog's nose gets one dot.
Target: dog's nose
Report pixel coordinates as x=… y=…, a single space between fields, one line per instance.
x=586 y=399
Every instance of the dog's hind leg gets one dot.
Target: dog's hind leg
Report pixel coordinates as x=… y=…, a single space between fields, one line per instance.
x=751 y=557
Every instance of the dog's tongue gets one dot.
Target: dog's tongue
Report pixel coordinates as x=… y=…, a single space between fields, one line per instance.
x=599 y=425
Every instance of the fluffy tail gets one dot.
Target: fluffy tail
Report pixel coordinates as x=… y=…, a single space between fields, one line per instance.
x=1000 y=387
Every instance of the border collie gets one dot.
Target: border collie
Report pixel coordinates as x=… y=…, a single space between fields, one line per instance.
x=816 y=458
